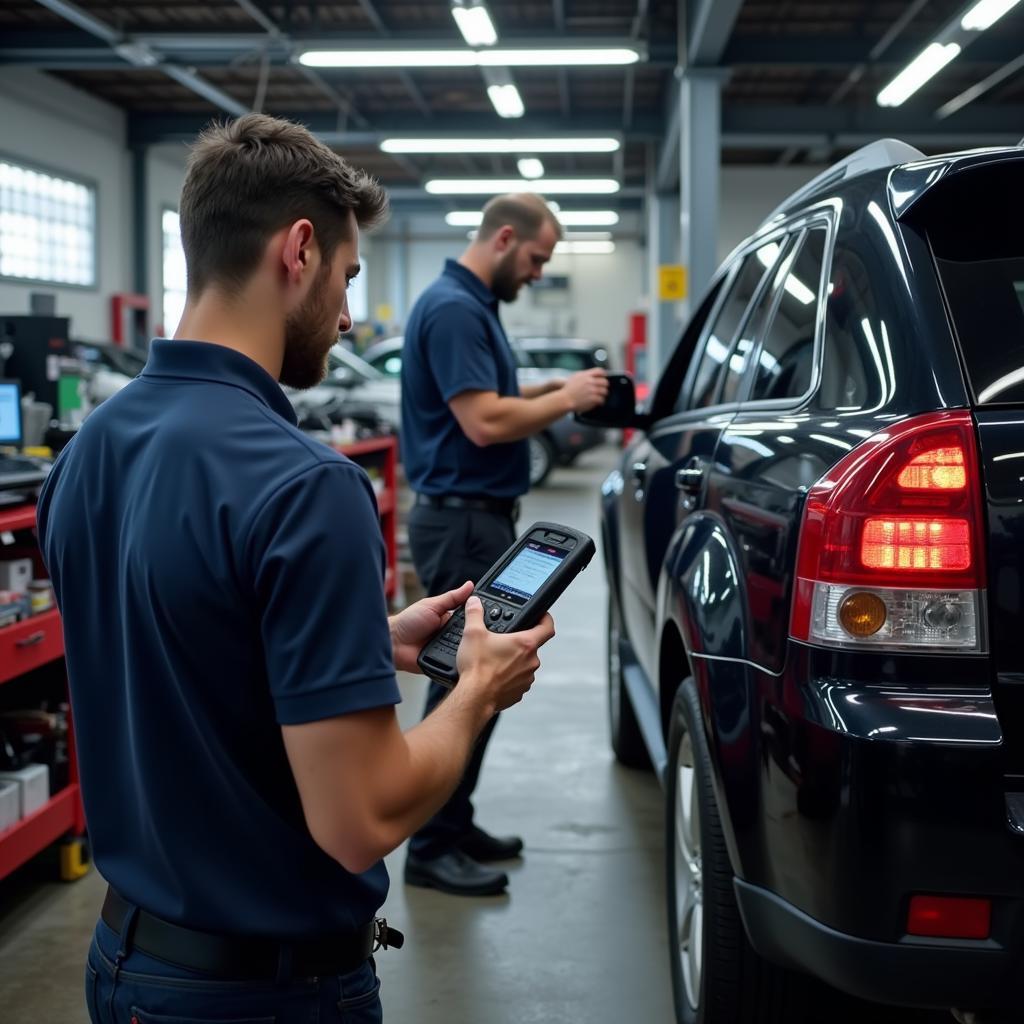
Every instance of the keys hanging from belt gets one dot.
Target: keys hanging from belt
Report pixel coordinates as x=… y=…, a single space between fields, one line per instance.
x=386 y=937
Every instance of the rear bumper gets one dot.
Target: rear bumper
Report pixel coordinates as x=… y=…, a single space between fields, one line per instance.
x=938 y=973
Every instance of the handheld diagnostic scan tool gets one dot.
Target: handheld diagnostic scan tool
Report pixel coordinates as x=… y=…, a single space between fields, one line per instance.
x=516 y=592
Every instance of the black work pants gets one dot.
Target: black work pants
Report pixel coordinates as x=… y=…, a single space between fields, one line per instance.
x=450 y=546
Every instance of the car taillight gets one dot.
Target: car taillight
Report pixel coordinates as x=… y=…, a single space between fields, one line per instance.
x=891 y=544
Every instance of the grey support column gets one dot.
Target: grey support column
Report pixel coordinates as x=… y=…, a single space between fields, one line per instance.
x=663 y=248
x=699 y=170
x=140 y=215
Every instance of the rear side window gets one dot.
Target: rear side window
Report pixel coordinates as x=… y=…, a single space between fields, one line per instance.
x=736 y=369
x=723 y=328
x=857 y=353
x=785 y=360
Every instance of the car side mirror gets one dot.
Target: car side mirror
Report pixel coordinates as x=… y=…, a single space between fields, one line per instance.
x=618 y=409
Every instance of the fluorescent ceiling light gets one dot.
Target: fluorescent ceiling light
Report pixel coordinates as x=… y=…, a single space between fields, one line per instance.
x=986 y=13
x=504 y=145
x=932 y=59
x=495 y=186
x=475 y=25
x=457 y=58
x=530 y=167
x=584 y=248
x=506 y=100
x=588 y=236
x=567 y=218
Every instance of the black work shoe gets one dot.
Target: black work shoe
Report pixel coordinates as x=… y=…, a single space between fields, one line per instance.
x=484 y=847
x=454 y=873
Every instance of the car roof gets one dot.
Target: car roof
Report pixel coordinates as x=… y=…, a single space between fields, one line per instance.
x=549 y=342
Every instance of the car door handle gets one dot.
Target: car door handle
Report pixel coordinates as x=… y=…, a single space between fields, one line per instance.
x=690 y=479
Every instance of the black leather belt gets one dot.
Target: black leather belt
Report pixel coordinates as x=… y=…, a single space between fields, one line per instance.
x=503 y=506
x=240 y=957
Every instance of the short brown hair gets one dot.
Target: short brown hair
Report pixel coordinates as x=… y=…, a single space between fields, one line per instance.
x=522 y=211
x=250 y=177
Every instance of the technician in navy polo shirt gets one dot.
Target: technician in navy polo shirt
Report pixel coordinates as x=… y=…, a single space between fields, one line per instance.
x=464 y=430
x=231 y=662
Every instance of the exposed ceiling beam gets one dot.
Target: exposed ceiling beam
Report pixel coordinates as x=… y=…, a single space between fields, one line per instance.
x=146 y=128
x=980 y=88
x=848 y=51
x=667 y=163
x=878 y=50
x=710 y=27
x=760 y=127
x=138 y=54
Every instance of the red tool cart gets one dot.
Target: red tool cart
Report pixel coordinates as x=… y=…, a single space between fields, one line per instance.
x=26 y=646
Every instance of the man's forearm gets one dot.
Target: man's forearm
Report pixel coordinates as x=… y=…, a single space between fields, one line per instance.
x=512 y=419
x=437 y=750
x=536 y=390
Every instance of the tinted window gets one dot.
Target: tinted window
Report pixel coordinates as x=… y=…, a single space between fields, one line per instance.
x=719 y=338
x=975 y=222
x=785 y=359
x=854 y=370
x=739 y=357
x=986 y=298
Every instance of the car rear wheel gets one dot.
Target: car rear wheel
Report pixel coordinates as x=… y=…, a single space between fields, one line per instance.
x=717 y=978
x=542 y=459
x=627 y=740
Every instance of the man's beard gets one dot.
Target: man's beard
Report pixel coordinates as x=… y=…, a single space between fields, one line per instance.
x=309 y=334
x=505 y=283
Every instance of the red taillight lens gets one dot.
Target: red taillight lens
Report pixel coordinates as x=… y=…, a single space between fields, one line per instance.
x=941 y=469
x=916 y=545
x=949 y=917
x=901 y=512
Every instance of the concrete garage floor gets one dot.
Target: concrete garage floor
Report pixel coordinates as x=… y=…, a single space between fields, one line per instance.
x=581 y=935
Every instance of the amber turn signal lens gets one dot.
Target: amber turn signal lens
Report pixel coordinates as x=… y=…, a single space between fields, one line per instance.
x=862 y=614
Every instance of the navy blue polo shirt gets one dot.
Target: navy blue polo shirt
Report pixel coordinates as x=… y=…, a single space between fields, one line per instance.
x=219 y=575
x=454 y=342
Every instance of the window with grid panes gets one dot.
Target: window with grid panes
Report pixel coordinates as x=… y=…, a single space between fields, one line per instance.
x=47 y=227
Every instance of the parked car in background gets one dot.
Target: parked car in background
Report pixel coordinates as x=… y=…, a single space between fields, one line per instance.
x=815 y=565
x=559 y=444
x=566 y=354
x=352 y=383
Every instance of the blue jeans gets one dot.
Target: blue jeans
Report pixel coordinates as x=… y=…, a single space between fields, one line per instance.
x=133 y=988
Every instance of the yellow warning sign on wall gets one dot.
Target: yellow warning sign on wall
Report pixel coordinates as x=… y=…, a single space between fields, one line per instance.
x=671 y=283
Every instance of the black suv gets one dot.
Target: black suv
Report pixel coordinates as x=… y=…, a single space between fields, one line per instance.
x=814 y=549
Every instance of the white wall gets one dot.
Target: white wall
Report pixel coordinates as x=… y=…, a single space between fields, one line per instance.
x=749 y=194
x=165 y=174
x=47 y=122
x=602 y=291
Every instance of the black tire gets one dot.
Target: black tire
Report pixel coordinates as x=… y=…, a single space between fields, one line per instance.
x=732 y=984
x=627 y=740
x=542 y=459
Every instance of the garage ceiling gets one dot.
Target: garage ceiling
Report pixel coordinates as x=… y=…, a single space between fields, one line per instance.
x=802 y=77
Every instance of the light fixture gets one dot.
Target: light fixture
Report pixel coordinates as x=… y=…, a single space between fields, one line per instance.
x=495 y=186
x=475 y=24
x=588 y=236
x=930 y=61
x=441 y=57
x=567 y=218
x=986 y=13
x=506 y=100
x=584 y=248
x=530 y=167
x=503 y=145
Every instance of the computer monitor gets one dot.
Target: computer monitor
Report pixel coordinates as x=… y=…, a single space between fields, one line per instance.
x=10 y=413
